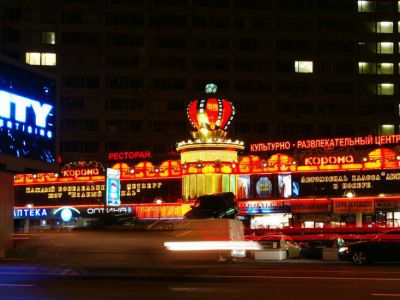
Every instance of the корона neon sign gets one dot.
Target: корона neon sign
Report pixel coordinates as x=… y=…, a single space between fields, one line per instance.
x=16 y=118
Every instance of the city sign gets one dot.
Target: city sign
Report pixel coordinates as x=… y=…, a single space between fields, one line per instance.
x=14 y=110
x=27 y=114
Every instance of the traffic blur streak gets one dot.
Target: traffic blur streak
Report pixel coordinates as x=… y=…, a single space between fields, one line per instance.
x=106 y=249
x=212 y=245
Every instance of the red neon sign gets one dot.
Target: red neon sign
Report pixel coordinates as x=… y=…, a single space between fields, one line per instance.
x=80 y=172
x=129 y=155
x=339 y=142
x=328 y=160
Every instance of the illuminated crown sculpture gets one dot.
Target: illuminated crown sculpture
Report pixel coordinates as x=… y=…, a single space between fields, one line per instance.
x=209 y=161
x=210 y=117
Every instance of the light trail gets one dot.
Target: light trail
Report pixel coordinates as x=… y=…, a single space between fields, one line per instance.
x=212 y=245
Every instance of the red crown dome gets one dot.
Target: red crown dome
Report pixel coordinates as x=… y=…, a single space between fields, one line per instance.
x=211 y=114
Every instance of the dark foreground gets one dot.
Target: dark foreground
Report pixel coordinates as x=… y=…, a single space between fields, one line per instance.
x=135 y=265
x=311 y=280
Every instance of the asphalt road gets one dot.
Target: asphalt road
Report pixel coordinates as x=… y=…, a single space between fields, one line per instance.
x=301 y=280
x=136 y=265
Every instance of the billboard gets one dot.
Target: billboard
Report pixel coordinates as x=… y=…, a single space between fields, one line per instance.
x=113 y=191
x=339 y=183
x=243 y=187
x=94 y=192
x=27 y=114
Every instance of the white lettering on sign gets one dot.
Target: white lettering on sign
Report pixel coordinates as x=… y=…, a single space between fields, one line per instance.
x=30 y=212
x=108 y=210
x=16 y=119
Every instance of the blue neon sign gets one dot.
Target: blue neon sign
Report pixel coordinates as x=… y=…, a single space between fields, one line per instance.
x=17 y=118
x=27 y=113
x=66 y=212
x=30 y=213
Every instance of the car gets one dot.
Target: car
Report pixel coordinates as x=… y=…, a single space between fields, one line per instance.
x=214 y=206
x=313 y=245
x=384 y=247
x=276 y=241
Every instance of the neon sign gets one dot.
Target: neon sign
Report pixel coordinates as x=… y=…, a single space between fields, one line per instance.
x=328 y=160
x=337 y=183
x=82 y=168
x=66 y=212
x=13 y=111
x=109 y=210
x=27 y=113
x=327 y=143
x=129 y=155
x=80 y=172
x=30 y=213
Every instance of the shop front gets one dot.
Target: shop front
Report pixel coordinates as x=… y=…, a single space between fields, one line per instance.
x=265 y=214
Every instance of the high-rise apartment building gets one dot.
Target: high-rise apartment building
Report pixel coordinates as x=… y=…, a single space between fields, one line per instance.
x=128 y=68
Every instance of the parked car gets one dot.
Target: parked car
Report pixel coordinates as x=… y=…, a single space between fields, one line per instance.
x=313 y=245
x=384 y=247
x=352 y=238
x=215 y=206
x=277 y=241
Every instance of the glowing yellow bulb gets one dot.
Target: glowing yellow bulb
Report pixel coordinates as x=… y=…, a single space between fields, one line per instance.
x=204 y=131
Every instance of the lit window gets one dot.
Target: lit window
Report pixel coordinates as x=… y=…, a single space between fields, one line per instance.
x=366 y=6
x=386 y=129
x=44 y=59
x=32 y=58
x=384 y=27
x=366 y=68
x=385 y=48
x=384 y=68
x=49 y=37
x=385 y=89
x=303 y=66
x=48 y=59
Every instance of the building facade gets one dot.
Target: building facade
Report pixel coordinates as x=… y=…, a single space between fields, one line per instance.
x=343 y=182
x=127 y=68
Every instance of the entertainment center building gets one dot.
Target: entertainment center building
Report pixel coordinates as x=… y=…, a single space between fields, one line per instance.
x=308 y=183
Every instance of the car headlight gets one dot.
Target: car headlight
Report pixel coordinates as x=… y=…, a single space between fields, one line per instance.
x=343 y=249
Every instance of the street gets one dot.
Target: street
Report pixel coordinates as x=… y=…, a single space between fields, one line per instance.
x=240 y=280
x=136 y=265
